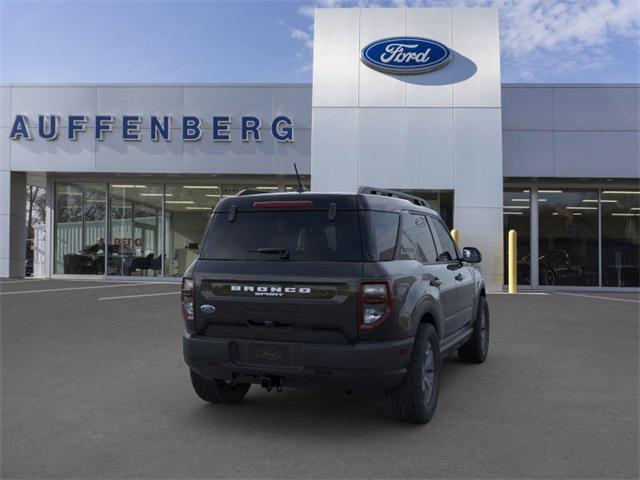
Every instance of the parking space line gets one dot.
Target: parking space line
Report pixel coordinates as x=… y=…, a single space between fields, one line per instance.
x=138 y=296
x=48 y=290
x=22 y=281
x=597 y=297
x=518 y=293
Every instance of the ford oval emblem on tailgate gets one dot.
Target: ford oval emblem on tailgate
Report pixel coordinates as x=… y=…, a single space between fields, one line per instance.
x=206 y=308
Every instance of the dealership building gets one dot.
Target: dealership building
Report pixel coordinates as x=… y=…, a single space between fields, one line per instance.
x=132 y=171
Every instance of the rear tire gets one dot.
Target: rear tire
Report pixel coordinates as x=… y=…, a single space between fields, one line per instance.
x=415 y=400
x=218 y=391
x=476 y=348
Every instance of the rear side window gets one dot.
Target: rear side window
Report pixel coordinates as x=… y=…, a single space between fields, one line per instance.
x=382 y=234
x=304 y=235
x=448 y=250
x=416 y=242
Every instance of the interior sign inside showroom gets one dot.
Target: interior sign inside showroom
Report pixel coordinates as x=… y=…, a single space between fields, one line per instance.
x=48 y=127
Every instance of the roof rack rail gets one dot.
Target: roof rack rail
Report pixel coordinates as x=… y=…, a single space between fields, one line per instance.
x=254 y=191
x=395 y=194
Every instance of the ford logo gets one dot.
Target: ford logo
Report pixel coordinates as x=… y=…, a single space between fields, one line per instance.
x=405 y=55
x=206 y=308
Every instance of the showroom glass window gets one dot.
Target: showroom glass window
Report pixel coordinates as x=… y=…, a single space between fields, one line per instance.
x=620 y=238
x=568 y=236
x=135 y=229
x=517 y=216
x=187 y=208
x=80 y=211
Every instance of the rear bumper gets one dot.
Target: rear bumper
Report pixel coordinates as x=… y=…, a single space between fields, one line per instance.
x=369 y=367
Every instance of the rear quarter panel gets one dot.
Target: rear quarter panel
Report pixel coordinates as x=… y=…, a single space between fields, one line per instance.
x=411 y=299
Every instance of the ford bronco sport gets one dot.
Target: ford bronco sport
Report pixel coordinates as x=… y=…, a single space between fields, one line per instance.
x=355 y=292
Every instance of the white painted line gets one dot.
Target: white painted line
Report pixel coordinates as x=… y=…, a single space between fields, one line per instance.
x=66 y=289
x=138 y=296
x=597 y=297
x=519 y=293
x=23 y=281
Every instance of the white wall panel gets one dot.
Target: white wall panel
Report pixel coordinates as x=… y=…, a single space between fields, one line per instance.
x=433 y=89
x=597 y=154
x=478 y=157
x=335 y=74
x=228 y=157
x=583 y=108
x=62 y=155
x=333 y=167
x=476 y=42
x=429 y=149
x=527 y=108
x=5 y=193
x=63 y=101
x=285 y=154
x=5 y=149
x=382 y=147
x=141 y=100
x=295 y=103
x=206 y=101
x=113 y=154
x=527 y=153
x=377 y=89
x=482 y=228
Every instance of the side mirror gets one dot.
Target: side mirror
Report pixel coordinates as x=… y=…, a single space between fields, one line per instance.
x=471 y=255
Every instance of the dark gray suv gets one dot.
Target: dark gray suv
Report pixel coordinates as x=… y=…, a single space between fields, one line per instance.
x=355 y=292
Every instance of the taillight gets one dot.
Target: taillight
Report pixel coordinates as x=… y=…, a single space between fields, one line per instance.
x=374 y=304
x=186 y=301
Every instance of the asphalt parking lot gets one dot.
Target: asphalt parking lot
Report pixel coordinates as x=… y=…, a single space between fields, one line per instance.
x=94 y=386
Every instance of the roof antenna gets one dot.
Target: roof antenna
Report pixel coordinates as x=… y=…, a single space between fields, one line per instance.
x=300 y=187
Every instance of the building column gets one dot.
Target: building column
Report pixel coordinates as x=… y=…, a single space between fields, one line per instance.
x=12 y=223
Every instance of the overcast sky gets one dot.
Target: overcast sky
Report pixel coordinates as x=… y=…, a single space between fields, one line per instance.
x=215 y=41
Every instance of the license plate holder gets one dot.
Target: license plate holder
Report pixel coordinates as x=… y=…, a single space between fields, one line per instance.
x=268 y=354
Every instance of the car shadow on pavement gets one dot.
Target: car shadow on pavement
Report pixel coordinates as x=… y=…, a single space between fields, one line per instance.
x=295 y=411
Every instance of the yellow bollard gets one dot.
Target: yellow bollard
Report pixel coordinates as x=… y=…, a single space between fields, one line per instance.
x=456 y=237
x=513 y=272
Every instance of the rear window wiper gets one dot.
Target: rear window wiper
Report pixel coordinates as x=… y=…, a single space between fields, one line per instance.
x=283 y=252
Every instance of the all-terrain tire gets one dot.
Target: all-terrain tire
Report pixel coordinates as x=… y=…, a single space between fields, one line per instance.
x=218 y=391
x=415 y=400
x=476 y=348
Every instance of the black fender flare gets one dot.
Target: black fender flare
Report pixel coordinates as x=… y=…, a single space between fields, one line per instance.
x=428 y=307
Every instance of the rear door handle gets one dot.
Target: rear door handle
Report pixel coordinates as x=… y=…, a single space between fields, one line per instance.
x=459 y=277
x=435 y=282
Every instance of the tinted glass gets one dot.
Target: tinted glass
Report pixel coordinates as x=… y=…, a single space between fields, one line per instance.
x=79 y=230
x=517 y=216
x=620 y=238
x=307 y=235
x=568 y=239
x=135 y=219
x=416 y=242
x=383 y=232
x=448 y=249
x=187 y=209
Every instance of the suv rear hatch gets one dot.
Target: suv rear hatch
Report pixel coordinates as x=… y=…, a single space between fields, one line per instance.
x=281 y=267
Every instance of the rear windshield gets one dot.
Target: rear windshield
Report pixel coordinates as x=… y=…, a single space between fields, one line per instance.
x=284 y=236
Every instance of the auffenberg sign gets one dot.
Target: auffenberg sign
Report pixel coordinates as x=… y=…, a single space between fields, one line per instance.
x=159 y=128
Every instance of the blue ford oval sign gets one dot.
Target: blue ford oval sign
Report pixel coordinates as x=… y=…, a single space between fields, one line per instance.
x=405 y=55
